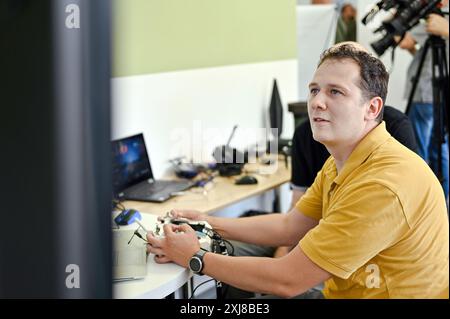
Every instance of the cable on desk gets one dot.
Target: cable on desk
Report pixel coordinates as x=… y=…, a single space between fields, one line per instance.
x=218 y=237
x=136 y=232
x=231 y=245
x=118 y=204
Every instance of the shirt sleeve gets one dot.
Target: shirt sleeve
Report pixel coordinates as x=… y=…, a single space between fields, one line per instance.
x=310 y=204
x=369 y=220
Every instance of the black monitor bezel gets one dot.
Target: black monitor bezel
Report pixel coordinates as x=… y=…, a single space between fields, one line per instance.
x=142 y=178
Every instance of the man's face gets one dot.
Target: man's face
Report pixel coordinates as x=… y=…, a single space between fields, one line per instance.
x=348 y=12
x=336 y=106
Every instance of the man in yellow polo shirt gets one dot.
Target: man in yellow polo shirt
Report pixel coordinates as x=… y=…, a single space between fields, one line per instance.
x=374 y=223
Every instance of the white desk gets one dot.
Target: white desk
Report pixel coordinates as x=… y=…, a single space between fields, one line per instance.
x=164 y=279
x=161 y=279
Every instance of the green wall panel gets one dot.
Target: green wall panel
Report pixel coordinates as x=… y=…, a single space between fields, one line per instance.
x=153 y=36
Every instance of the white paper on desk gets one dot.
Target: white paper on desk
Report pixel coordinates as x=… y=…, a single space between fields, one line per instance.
x=316 y=29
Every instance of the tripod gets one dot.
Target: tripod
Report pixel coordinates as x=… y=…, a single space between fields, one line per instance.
x=440 y=95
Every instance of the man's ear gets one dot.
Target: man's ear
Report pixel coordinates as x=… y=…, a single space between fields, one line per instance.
x=375 y=107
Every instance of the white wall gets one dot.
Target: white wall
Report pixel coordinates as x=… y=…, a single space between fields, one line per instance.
x=312 y=39
x=164 y=105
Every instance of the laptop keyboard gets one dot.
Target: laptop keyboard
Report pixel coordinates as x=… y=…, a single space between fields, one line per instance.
x=157 y=190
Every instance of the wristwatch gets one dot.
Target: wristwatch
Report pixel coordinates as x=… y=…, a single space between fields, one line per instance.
x=196 y=262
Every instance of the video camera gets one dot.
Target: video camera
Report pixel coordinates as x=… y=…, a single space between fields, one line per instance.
x=407 y=14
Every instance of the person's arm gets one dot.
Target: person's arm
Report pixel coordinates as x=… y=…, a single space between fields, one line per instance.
x=297 y=193
x=437 y=25
x=408 y=43
x=288 y=276
x=266 y=230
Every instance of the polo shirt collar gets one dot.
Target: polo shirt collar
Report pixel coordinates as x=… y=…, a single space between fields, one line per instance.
x=366 y=146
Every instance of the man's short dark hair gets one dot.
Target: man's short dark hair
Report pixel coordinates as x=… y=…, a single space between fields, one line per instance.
x=374 y=78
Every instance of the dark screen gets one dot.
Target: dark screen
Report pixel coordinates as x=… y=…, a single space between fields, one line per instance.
x=130 y=163
x=276 y=111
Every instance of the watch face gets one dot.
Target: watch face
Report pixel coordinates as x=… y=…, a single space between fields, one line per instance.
x=195 y=264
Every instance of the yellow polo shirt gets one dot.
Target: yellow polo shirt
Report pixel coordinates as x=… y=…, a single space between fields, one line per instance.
x=383 y=229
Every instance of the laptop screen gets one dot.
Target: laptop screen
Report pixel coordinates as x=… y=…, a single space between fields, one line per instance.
x=130 y=163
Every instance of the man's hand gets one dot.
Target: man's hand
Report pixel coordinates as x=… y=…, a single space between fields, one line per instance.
x=408 y=43
x=437 y=25
x=179 y=244
x=189 y=214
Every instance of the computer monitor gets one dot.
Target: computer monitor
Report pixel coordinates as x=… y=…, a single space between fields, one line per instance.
x=276 y=111
x=130 y=162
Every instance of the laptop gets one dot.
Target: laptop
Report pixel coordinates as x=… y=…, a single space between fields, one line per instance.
x=132 y=173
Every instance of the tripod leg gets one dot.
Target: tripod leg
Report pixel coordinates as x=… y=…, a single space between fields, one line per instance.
x=445 y=86
x=440 y=104
x=444 y=118
x=417 y=75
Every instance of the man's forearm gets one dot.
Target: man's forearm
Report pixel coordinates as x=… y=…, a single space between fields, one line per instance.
x=265 y=230
x=256 y=274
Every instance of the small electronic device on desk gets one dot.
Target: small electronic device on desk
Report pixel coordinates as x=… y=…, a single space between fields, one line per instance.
x=203 y=230
x=246 y=180
x=127 y=217
x=187 y=170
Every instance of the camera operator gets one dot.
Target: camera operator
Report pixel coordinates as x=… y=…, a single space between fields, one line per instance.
x=421 y=110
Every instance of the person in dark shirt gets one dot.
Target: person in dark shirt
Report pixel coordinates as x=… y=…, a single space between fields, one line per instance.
x=308 y=155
